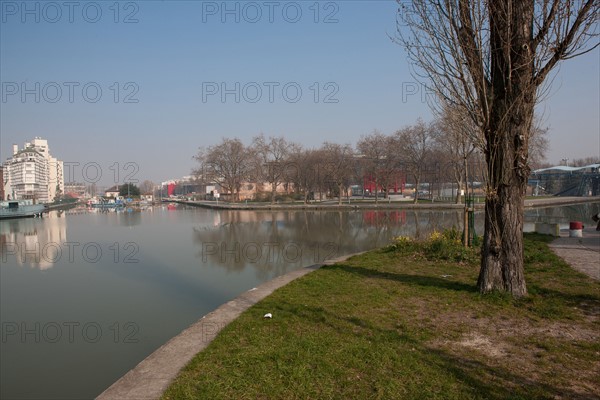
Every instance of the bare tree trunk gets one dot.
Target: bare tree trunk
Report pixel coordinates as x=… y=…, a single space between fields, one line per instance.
x=502 y=252
x=416 y=191
x=340 y=194
x=506 y=152
x=273 y=192
x=458 y=189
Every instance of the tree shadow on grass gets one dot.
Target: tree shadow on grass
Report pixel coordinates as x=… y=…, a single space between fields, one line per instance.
x=482 y=378
x=499 y=382
x=589 y=303
x=412 y=280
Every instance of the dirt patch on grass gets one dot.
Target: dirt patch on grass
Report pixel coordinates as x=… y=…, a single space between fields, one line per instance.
x=518 y=346
x=568 y=331
x=483 y=344
x=540 y=329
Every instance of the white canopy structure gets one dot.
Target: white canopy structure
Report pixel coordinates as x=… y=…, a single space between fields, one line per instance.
x=564 y=168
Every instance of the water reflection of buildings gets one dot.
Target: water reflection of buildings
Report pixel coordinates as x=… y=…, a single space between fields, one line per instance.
x=33 y=241
x=376 y=217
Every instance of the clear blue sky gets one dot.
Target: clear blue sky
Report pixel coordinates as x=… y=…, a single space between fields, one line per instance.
x=178 y=51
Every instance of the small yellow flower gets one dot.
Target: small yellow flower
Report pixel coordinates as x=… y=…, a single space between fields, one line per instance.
x=435 y=236
x=402 y=239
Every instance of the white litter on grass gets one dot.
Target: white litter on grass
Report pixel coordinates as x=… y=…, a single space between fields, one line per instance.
x=268 y=315
x=252 y=289
x=445 y=276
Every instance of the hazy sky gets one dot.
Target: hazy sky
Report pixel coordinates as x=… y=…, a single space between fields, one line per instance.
x=148 y=82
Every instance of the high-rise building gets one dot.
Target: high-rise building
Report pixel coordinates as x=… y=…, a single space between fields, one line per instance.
x=1 y=183
x=32 y=173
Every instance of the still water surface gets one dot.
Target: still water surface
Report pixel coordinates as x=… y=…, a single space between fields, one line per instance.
x=85 y=296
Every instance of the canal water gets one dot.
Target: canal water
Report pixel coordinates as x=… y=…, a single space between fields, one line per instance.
x=85 y=296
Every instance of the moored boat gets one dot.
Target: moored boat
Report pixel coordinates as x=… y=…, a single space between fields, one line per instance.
x=106 y=203
x=21 y=209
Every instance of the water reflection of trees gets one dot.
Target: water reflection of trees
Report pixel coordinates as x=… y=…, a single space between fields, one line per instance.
x=317 y=234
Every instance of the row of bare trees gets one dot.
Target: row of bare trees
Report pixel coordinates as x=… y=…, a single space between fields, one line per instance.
x=443 y=148
x=276 y=161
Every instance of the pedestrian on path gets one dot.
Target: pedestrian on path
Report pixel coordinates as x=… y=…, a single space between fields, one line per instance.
x=596 y=218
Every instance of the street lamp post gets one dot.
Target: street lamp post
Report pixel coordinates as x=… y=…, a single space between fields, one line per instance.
x=466 y=211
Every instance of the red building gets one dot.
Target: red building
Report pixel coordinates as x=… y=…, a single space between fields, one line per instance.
x=396 y=184
x=171 y=189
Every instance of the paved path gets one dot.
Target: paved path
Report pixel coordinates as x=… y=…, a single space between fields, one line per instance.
x=583 y=253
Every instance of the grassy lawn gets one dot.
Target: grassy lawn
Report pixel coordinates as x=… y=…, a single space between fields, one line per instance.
x=406 y=322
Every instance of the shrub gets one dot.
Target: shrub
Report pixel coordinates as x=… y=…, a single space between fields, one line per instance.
x=445 y=245
x=402 y=243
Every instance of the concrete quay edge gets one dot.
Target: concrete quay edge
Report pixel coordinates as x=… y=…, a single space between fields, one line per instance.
x=152 y=376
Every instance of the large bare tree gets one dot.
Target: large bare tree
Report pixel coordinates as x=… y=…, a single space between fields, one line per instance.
x=227 y=164
x=457 y=137
x=416 y=143
x=492 y=58
x=538 y=145
x=147 y=187
x=303 y=171
x=337 y=166
x=379 y=158
x=272 y=156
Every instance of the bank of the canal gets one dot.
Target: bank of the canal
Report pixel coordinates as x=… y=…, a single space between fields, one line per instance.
x=359 y=204
x=132 y=279
x=152 y=376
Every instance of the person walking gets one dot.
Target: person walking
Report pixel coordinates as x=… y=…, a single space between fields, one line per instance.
x=596 y=218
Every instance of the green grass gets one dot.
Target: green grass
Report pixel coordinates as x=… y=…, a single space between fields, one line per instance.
x=406 y=322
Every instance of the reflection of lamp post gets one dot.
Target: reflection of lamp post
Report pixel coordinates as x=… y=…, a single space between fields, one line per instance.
x=566 y=161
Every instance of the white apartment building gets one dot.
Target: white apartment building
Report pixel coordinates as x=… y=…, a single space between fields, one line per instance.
x=32 y=173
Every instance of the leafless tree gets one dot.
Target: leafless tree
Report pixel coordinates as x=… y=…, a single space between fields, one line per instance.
x=147 y=187
x=582 y=162
x=272 y=155
x=380 y=158
x=303 y=171
x=492 y=58
x=538 y=145
x=416 y=142
x=458 y=138
x=228 y=165
x=337 y=166
x=323 y=180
